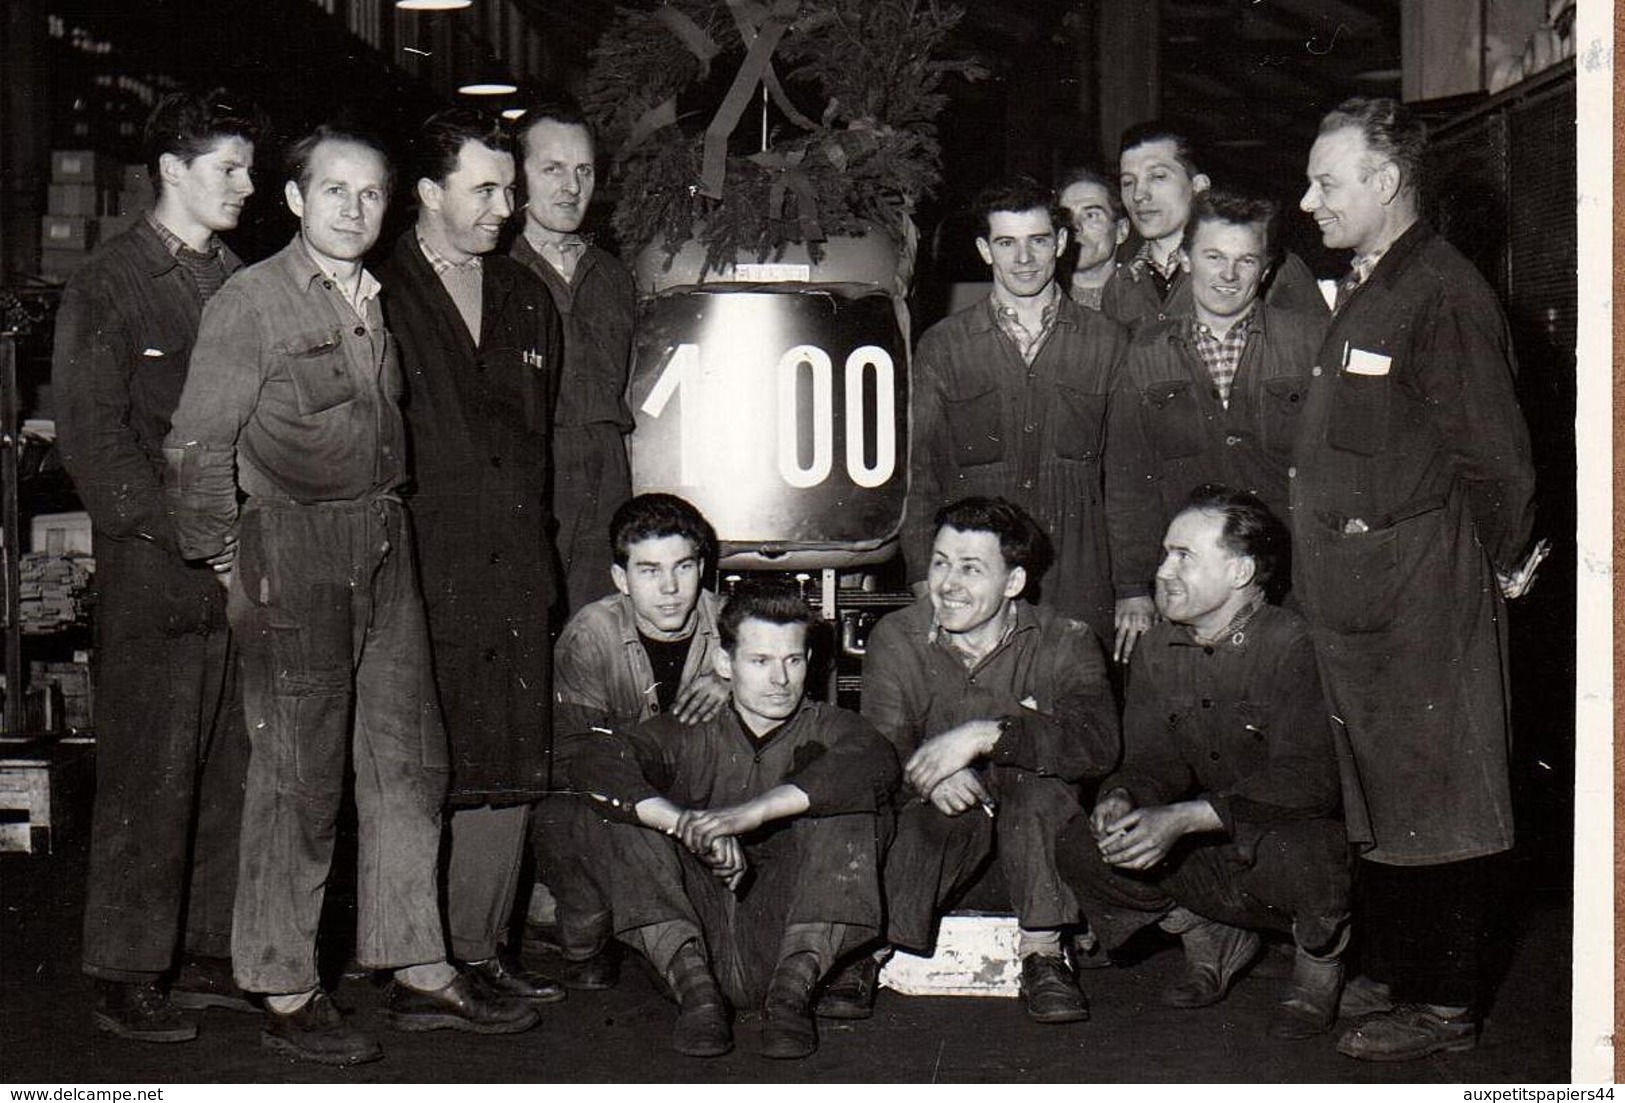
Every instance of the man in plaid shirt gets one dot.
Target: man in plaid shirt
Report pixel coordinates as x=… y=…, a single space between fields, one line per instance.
x=1210 y=396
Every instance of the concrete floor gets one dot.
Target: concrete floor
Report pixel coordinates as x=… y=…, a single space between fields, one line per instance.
x=621 y=1035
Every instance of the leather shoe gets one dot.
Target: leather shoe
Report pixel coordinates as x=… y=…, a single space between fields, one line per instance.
x=702 y=1028
x=598 y=973
x=1363 y=996
x=141 y=1012
x=1215 y=954
x=464 y=1004
x=788 y=1030
x=1411 y=1031
x=207 y=982
x=494 y=973
x=850 y=993
x=317 y=1032
x=1050 y=990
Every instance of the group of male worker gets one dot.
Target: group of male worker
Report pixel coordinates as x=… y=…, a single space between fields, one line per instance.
x=247 y=448
x=1289 y=521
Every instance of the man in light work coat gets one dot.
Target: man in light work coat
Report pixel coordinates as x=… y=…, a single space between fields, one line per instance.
x=596 y=299
x=1412 y=507
x=170 y=743
x=1010 y=399
x=647 y=649
x=479 y=342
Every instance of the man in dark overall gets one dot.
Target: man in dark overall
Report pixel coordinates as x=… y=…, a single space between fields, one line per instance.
x=479 y=345
x=1412 y=507
x=1010 y=399
x=597 y=302
x=1160 y=176
x=292 y=399
x=1222 y=818
x=745 y=849
x=171 y=749
x=1209 y=396
x=646 y=650
x=998 y=710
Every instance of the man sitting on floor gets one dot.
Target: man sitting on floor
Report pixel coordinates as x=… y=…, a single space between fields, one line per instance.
x=999 y=709
x=1223 y=817
x=743 y=851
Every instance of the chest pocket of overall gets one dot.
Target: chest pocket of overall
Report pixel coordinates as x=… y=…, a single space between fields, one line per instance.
x=973 y=428
x=1080 y=419
x=319 y=370
x=1283 y=403
x=1358 y=419
x=1173 y=424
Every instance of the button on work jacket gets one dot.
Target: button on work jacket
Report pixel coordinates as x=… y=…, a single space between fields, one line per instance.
x=1169 y=433
x=984 y=422
x=1413 y=482
x=478 y=424
x=290 y=395
x=1047 y=679
x=1240 y=723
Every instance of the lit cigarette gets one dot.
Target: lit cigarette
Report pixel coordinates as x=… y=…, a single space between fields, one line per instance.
x=986 y=807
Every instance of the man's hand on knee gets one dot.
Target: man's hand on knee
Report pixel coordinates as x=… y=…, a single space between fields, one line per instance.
x=951 y=751
x=959 y=792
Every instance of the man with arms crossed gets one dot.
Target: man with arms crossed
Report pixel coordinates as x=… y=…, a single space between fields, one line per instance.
x=745 y=848
x=292 y=399
x=646 y=650
x=170 y=743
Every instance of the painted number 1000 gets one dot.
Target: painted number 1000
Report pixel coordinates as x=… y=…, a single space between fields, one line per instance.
x=716 y=415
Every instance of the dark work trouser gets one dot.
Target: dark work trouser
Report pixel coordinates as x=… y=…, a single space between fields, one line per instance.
x=1293 y=877
x=484 y=853
x=570 y=845
x=335 y=667
x=812 y=884
x=934 y=856
x=171 y=754
x=591 y=479
x=1428 y=931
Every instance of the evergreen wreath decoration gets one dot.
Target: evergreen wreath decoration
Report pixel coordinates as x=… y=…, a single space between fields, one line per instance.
x=848 y=144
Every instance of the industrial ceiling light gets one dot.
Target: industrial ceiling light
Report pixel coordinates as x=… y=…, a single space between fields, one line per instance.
x=433 y=5
x=488 y=88
x=513 y=114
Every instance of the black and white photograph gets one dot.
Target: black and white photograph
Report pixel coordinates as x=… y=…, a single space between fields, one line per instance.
x=806 y=542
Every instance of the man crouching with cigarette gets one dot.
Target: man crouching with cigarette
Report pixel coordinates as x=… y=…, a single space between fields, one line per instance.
x=1222 y=820
x=999 y=708
x=743 y=851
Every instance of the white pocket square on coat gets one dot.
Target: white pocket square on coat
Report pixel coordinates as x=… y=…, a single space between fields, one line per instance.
x=1362 y=362
x=154 y=353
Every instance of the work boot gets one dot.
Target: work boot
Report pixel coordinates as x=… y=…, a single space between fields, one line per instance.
x=465 y=1004
x=1050 y=990
x=788 y=1032
x=317 y=1032
x=1309 y=1006
x=504 y=980
x=1409 y=1031
x=702 y=1028
x=594 y=974
x=850 y=993
x=140 y=1011
x=1363 y=996
x=207 y=982
x=1215 y=953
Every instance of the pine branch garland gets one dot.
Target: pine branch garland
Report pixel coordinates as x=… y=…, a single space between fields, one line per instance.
x=867 y=72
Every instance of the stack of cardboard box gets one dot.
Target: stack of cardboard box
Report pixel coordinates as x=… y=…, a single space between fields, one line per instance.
x=91 y=198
